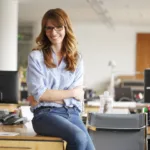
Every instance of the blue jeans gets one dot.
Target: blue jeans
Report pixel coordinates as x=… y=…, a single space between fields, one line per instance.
x=65 y=123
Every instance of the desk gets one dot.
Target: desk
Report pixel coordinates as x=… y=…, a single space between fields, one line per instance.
x=94 y=106
x=9 y=107
x=148 y=133
x=27 y=139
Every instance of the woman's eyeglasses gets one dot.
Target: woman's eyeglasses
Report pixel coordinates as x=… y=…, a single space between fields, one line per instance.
x=57 y=28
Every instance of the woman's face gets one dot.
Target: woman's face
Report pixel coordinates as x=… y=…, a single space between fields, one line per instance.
x=54 y=32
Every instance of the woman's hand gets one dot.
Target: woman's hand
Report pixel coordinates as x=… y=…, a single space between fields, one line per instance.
x=32 y=101
x=78 y=93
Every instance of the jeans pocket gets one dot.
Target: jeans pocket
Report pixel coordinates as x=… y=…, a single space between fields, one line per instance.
x=38 y=113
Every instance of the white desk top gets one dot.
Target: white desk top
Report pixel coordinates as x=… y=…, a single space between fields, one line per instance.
x=121 y=104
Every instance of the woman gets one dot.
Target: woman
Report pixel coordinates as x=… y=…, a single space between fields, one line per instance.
x=55 y=79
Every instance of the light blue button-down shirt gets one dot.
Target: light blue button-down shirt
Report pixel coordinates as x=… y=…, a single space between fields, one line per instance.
x=40 y=78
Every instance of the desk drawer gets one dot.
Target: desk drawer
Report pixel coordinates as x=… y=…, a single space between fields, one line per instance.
x=30 y=145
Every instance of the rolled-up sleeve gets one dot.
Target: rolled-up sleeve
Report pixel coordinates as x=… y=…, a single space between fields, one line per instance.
x=35 y=78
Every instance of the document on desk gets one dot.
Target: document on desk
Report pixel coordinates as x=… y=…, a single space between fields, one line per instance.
x=8 y=133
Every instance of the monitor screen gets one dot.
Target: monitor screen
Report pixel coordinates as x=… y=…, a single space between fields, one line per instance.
x=123 y=94
x=9 y=87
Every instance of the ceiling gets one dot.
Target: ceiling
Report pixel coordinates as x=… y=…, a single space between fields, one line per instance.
x=131 y=12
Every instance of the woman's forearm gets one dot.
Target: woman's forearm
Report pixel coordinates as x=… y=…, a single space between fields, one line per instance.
x=56 y=95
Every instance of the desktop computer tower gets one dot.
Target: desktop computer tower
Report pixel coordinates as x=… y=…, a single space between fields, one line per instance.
x=147 y=85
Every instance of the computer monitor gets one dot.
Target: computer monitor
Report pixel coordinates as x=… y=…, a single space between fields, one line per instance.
x=9 y=87
x=123 y=94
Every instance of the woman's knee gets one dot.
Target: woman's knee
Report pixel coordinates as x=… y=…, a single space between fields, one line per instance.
x=81 y=139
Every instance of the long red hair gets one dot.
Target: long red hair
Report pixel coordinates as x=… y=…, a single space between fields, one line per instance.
x=69 y=45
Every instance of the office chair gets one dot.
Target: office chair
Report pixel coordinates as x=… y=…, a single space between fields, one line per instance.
x=118 y=131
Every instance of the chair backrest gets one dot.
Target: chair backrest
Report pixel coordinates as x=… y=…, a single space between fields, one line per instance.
x=118 y=131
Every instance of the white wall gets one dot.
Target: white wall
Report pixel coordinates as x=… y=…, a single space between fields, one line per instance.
x=99 y=44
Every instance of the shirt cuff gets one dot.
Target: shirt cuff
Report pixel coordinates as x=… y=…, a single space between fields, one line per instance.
x=40 y=93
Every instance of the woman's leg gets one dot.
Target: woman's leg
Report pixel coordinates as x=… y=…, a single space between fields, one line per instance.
x=76 y=119
x=55 y=123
